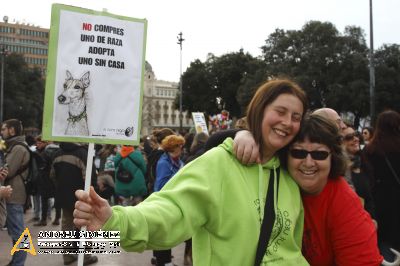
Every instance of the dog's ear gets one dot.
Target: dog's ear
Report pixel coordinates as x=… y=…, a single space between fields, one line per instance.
x=69 y=75
x=85 y=79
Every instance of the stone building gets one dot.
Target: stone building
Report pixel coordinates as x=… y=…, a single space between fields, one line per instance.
x=158 y=109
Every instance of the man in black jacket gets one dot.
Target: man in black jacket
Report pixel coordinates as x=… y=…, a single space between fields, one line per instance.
x=68 y=170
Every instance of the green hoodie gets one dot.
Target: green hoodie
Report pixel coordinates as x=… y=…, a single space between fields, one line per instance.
x=215 y=200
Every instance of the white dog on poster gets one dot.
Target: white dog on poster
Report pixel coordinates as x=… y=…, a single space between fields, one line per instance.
x=73 y=95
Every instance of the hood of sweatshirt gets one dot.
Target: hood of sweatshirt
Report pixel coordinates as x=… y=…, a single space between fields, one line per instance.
x=271 y=168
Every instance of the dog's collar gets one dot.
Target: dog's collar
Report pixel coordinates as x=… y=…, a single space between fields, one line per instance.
x=76 y=118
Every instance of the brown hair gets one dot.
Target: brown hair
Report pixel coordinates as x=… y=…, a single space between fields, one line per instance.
x=171 y=142
x=16 y=124
x=160 y=134
x=319 y=129
x=265 y=95
x=386 y=135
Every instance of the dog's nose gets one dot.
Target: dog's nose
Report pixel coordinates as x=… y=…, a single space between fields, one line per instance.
x=61 y=98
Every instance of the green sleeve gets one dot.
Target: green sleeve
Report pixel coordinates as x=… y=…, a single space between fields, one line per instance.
x=188 y=202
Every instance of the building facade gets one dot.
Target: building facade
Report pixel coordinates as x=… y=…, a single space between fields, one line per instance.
x=29 y=40
x=158 y=109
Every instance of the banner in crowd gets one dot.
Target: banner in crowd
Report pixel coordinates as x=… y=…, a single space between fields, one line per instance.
x=200 y=123
x=94 y=82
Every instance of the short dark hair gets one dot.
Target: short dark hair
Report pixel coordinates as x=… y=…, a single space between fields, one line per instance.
x=16 y=124
x=160 y=134
x=265 y=95
x=319 y=129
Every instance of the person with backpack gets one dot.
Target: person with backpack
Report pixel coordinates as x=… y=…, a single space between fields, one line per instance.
x=130 y=169
x=46 y=185
x=16 y=158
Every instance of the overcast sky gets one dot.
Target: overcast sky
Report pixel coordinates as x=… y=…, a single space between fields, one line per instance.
x=221 y=26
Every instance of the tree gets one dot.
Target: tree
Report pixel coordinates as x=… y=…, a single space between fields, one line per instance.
x=331 y=68
x=387 y=76
x=213 y=85
x=23 y=92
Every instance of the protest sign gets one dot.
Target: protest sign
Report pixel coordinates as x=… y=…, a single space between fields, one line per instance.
x=199 y=122
x=94 y=82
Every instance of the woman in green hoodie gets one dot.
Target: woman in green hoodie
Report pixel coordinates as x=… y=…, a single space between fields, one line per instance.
x=222 y=204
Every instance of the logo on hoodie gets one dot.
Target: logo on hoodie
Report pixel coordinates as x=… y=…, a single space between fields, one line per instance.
x=280 y=231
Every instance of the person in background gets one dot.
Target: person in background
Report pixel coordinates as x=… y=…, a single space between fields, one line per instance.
x=381 y=162
x=332 y=115
x=5 y=192
x=220 y=203
x=351 y=144
x=46 y=186
x=154 y=142
x=156 y=139
x=367 y=133
x=17 y=158
x=129 y=175
x=241 y=123
x=69 y=173
x=167 y=166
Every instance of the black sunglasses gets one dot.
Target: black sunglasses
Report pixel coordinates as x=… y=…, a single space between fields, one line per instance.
x=302 y=154
x=349 y=137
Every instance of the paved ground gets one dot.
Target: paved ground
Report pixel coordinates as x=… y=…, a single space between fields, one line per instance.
x=123 y=259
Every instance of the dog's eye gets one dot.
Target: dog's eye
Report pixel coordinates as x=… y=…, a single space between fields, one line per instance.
x=65 y=86
x=76 y=87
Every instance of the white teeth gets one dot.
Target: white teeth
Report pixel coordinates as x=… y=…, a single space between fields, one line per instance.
x=308 y=172
x=280 y=132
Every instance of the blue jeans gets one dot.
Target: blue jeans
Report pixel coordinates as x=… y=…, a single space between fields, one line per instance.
x=15 y=226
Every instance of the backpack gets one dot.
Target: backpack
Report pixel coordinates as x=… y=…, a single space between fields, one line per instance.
x=34 y=164
x=124 y=175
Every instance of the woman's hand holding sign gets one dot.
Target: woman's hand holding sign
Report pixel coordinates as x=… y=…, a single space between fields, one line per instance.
x=91 y=210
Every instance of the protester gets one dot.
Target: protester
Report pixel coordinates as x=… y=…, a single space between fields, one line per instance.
x=367 y=133
x=17 y=160
x=351 y=144
x=332 y=115
x=169 y=163
x=69 y=172
x=5 y=192
x=337 y=230
x=381 y=161
x=167 y=166
x=46 y=186
x=129 y=175
x=156 y=139
x=217 y=200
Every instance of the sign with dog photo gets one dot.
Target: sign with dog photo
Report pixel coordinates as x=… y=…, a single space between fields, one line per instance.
x=94 y=83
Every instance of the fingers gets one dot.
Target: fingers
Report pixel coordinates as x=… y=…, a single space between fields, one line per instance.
x=82 y=213
x=238 y=149
x=82 y=195
x=95 y=197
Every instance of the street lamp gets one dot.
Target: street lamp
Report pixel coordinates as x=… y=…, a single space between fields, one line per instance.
x=180 y=40
x=371 y=66
x=3 y=53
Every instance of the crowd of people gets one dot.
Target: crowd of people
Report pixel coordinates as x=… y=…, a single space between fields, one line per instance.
x=288 y=186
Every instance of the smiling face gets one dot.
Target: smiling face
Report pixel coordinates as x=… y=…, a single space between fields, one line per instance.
x=311 y=175
x=281 y=122
x=351 y=141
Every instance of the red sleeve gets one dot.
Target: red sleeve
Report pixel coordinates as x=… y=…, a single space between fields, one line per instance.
x=353 y=233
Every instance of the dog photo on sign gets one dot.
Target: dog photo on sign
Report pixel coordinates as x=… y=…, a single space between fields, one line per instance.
x=75 y=97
